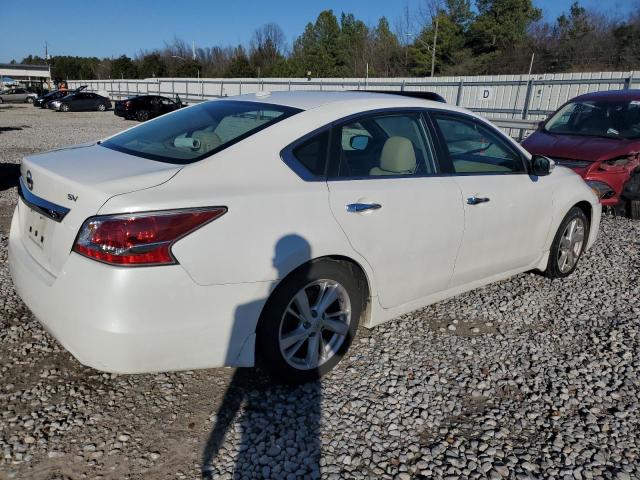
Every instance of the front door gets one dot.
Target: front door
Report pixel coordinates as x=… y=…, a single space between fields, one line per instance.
x=507 y=211
x=402 y=218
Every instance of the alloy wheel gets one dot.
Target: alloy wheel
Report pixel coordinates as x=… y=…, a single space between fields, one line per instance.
x=571 y=245
x=315 y=324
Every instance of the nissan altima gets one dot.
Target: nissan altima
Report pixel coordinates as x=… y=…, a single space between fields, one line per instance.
x=265 y=229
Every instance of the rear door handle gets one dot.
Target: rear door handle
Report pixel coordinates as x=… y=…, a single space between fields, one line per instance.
x=362 y=207
x=477 y=200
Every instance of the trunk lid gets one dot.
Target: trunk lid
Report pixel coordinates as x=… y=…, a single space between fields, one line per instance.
x=75 y=182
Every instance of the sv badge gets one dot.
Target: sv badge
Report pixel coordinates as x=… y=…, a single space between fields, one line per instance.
x=72 y=197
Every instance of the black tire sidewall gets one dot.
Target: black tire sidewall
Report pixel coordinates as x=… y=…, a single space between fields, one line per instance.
x=268 y=355
x=553 y=271
x=634 y=209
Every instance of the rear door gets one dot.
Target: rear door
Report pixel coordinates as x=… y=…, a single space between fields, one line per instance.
x=506 y=210
x=383 y=189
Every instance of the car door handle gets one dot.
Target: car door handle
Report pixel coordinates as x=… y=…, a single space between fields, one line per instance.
x=362 y=207
x=477 y=200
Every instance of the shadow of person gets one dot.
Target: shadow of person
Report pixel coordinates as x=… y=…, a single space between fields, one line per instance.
x=278 y=425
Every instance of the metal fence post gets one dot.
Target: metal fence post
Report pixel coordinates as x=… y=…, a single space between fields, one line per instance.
x=173 y=88
x=221 y=88
x=402 y=86
x=527 y=100
x=240 y=88
x=459 y=93
x=289 y=84
x=628 y=82
x=201 y=90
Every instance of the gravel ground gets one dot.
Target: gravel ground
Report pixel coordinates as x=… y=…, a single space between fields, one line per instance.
x=526 y=378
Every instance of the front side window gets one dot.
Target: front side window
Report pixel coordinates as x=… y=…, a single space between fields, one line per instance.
x=611 y=119
x=389 y=144
x=474 y=148
x=193 y=133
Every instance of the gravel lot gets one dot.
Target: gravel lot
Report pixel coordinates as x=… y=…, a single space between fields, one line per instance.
x=526 y=378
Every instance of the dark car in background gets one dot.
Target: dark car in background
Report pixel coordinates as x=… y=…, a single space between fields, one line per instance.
x=43 y=100
x=144 y=107
x=81 y=101
x=598 y=136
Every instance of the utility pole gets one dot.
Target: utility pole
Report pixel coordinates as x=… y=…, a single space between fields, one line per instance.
x=433 y=50
x=46 y=59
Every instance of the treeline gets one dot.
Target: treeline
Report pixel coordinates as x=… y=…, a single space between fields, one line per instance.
x=488 y=37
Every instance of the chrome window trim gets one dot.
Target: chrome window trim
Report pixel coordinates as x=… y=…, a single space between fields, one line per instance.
x=45 y=207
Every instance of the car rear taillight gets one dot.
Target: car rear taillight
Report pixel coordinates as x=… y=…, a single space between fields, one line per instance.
x=140 y=238
x=127 y=104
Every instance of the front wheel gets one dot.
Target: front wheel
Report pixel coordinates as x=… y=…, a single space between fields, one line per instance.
x=29 y=99
x=568 y=244
x=64 y=107
x=309 y=322
x=102 y=107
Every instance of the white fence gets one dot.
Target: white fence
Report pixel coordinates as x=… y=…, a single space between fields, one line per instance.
x=499 y=97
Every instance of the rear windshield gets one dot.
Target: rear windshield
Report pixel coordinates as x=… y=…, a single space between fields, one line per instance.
x=599 y=118
x=194 y=133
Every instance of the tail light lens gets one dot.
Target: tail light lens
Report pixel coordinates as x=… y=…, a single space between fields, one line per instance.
x=127 y=104
x=140 y=238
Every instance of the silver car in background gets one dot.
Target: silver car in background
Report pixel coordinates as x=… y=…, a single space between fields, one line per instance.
x=17 y=95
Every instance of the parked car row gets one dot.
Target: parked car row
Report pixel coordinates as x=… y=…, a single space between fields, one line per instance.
x=74 y=101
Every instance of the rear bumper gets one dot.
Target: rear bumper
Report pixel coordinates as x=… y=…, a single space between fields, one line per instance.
x=139 y=320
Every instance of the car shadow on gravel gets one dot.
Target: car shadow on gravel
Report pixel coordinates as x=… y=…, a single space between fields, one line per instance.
x=9 y=175
x=279 y=424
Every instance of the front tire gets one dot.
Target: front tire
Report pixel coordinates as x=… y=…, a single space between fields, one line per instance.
x=568 y=244
x=634 y=209
x=30 y=100
x=102 y=107
x=309 y=322
x=64 y=107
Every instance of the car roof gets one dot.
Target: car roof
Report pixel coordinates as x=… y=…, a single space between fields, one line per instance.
x=620 y=95
x=307 y=100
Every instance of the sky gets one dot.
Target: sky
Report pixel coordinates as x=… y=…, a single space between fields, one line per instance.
x=115 y=27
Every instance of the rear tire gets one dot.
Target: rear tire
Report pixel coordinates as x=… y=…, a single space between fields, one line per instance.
x=64 y=107
x=568 y=244
x=289 y=332
x=142 y=116
x=30 y=100
x=102 y=107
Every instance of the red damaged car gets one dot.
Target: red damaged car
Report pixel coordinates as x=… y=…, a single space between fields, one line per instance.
x=598 y=136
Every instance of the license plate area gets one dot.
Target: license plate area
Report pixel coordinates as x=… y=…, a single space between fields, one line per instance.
x=36 y=228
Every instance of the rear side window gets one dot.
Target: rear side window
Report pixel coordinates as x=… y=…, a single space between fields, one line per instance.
x=383 y=145
x=313 y=153
x=194 y=133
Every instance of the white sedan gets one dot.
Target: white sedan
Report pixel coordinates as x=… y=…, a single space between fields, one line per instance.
x=264 y=229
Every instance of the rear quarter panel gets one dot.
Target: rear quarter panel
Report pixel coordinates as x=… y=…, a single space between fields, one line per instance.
x=275 y=221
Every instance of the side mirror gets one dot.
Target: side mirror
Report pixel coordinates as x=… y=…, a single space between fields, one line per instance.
x=359 y=142
x=541 y=165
